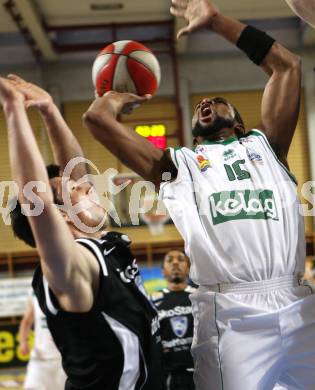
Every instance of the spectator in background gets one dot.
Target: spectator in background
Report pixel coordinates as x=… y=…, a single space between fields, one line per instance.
x=176 y=322
x=44 y=370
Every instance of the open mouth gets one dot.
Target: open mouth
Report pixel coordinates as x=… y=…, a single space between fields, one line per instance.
x=206 y=114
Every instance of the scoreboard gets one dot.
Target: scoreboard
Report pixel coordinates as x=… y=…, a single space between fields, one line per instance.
x=155 y=133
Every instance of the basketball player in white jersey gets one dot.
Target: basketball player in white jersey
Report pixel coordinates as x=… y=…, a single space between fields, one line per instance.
x=234 y=201
x=44 y=369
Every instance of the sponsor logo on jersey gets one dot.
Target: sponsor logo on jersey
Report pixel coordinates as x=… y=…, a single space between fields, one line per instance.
x=108 y=251
x=228 y=154
x=177 y=311
x=246 y=140
x=203 y=162
x=200 y=149
x=177 y=343
x=254 y=156
x=243 y=204
x=179 y=325
x=130 y=273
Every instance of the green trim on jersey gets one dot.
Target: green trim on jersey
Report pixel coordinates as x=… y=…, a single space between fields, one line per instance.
x=227 y=141
x=259 y=133
x=219 y=337
x=173 y=156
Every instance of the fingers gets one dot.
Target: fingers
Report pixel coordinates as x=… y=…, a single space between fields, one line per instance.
x=15 y=78
x=177 y=12
x=180 y=3
x=141 y=99
x=183 y=31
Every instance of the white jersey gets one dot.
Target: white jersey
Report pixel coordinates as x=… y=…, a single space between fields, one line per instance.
x=237 y=209
x=44 y=346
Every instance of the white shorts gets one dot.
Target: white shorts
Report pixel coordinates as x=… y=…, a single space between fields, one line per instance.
x=254 y=336
x=44 y=375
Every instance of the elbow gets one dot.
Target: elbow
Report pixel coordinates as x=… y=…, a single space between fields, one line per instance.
x=89 y=119
x=282 y=60
x=92 y=121
x=296 y=63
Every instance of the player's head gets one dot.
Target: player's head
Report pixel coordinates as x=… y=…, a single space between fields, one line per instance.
x=91 y=215
x=176 y=266
x=211 y=115
x=82 y=203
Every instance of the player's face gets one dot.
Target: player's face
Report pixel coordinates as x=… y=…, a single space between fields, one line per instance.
x=175 y=267
x=91 y=212
x=211 y=115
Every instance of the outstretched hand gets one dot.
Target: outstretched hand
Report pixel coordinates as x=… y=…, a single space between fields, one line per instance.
x=34 y=95
x=198 y=14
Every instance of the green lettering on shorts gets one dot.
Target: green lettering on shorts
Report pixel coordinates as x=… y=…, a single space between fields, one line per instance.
x=242 y=204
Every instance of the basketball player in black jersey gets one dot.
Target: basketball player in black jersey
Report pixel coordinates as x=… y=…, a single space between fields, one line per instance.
x=176 y=322
x=88 y=284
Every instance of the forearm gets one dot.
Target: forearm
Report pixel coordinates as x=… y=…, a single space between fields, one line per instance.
x=24 y=330
x=128 y=146
x=25 y=158
x=278 y=57
x=229 y=28
x=64 y=144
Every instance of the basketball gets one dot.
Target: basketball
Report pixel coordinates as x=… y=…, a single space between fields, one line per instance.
x=126 y=66
x=305 y=9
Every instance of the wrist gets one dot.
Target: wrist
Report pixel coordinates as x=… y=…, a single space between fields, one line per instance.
x=48 y=110
x=214 y=21
x=13 y=105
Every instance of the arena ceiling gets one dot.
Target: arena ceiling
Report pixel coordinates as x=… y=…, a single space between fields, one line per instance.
x=53 y=30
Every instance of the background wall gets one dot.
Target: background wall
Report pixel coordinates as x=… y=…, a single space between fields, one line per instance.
x=199 y=73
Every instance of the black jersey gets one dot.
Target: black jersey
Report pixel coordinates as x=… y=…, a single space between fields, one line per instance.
x=176 y=327
x=116 y=345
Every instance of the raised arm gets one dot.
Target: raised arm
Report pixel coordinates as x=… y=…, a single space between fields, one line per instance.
x=64 y=144
x=68 y=269
x=128 y=146
x=280 y=103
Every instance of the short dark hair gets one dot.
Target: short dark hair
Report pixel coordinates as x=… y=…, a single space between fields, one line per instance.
x=175 y=250
x=53 y=170
x=19 y=222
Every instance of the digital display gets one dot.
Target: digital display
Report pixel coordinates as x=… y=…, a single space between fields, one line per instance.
x=156 y=134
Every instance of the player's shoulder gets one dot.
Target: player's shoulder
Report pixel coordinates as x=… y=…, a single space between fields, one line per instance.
x=159 y=295
x=252 y=135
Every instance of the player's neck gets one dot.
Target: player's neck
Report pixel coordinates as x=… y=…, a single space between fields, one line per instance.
x=221 y=135
x=176 y=286
x=78 y=234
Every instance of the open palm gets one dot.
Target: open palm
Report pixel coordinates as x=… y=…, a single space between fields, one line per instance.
x=198 y=14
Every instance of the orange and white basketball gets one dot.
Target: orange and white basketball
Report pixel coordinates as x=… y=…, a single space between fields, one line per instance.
x=126 y=66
